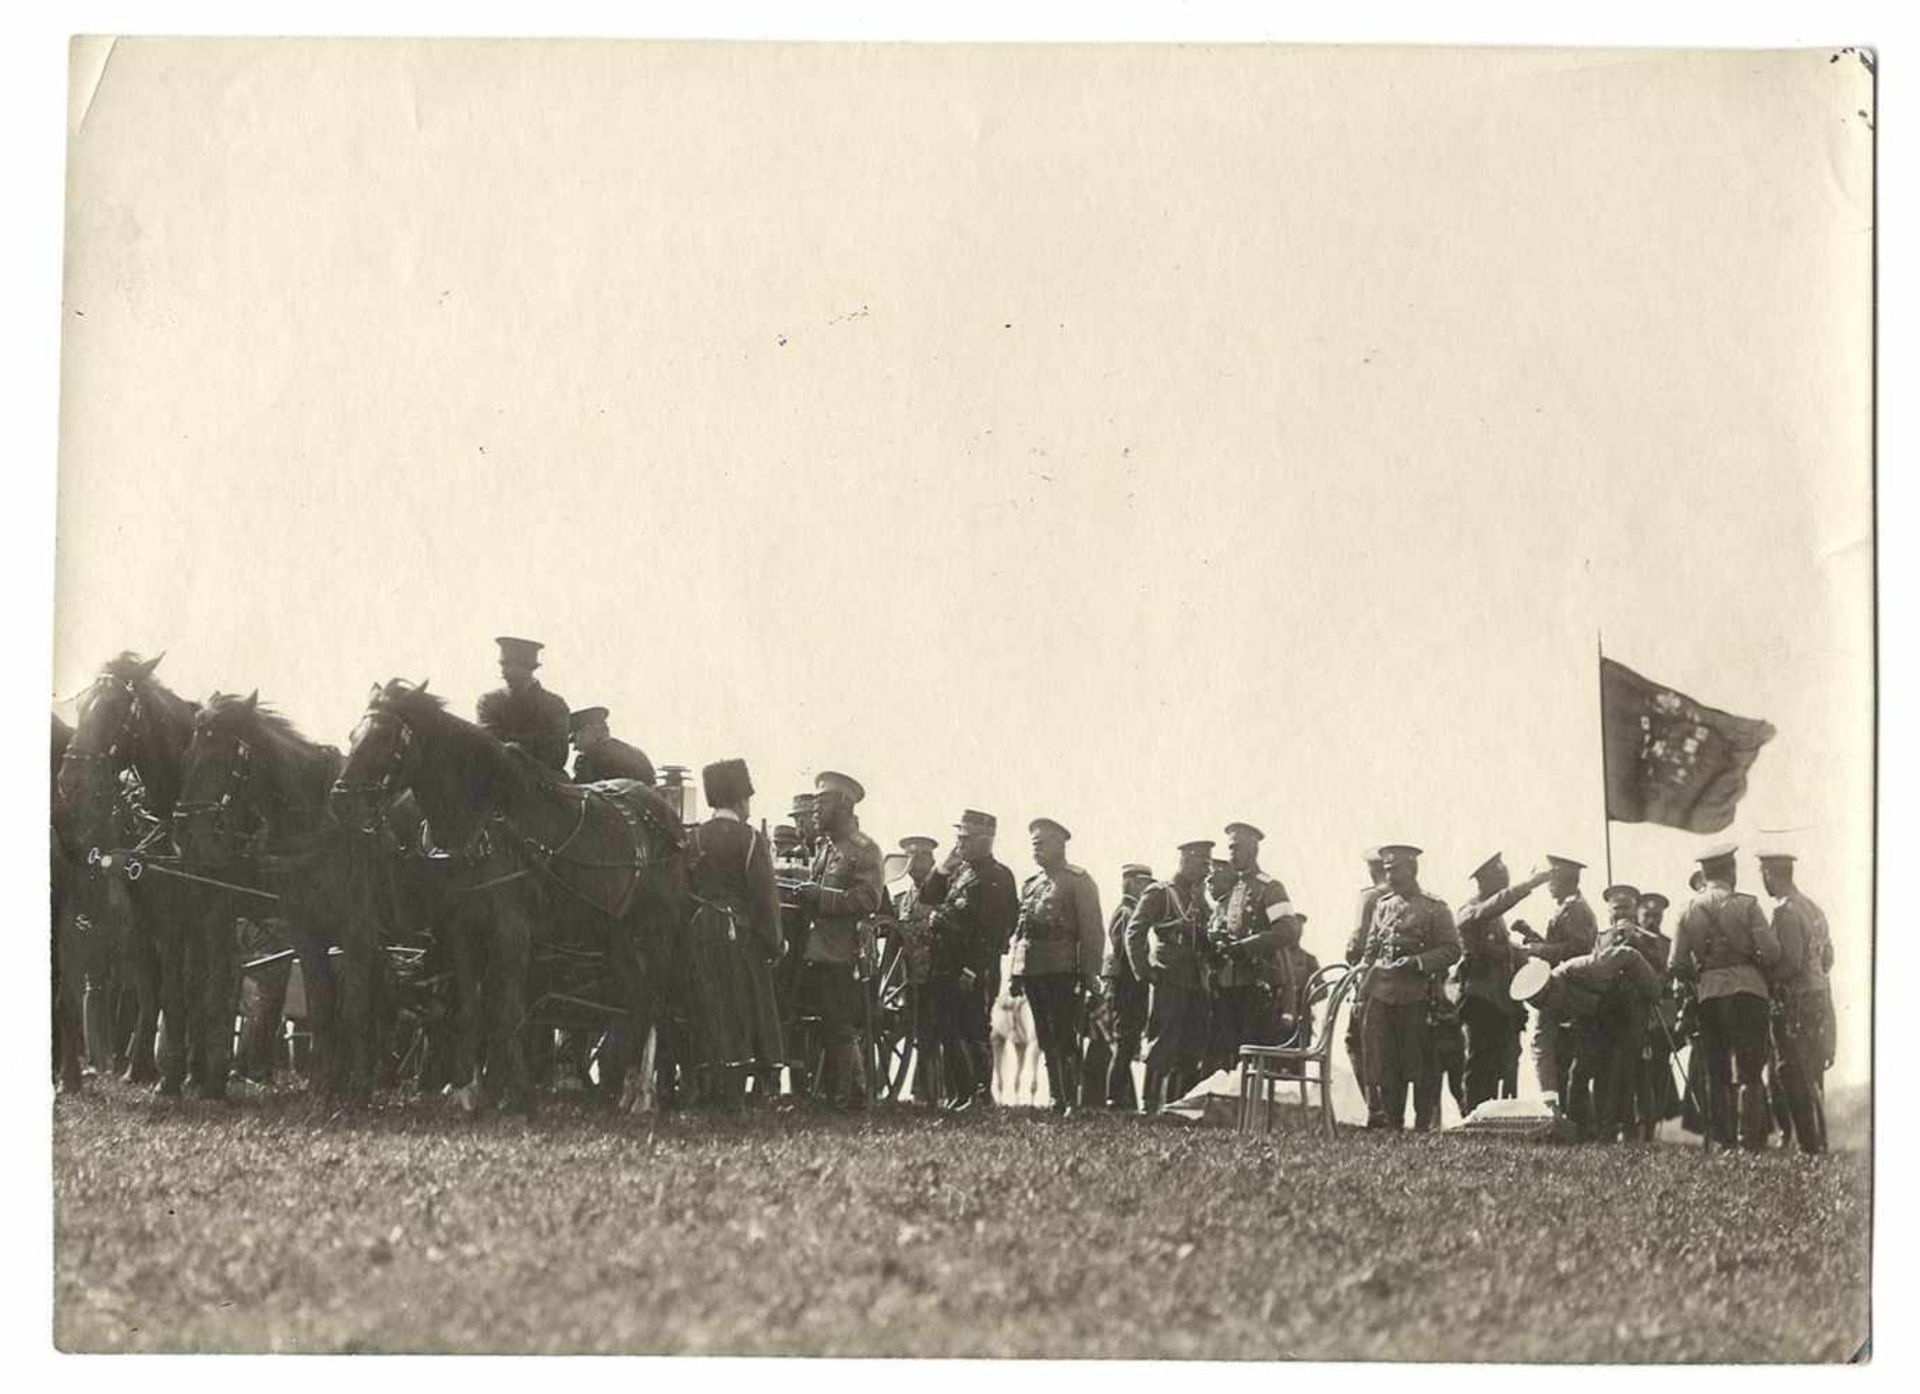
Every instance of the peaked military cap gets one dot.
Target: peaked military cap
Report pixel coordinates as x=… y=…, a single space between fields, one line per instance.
x=525 y=651
x=1654 y=898
x=1048 y=825
x=1372 y=856
x=919 y=842
x=1621 y=891
x=1554 y=859
x=1488 y=867
x=1199 y=844
x=844 y=783
x=972 y=820
x=1719 y=852
x=1136 y=869
x=1246 y=828
x=803 y=803
x=585 y=717
x=726 y=782
x=786 y=832
x=1387 y=849
x=1771 y=856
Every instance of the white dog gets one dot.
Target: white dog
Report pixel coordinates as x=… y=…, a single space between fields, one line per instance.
x=1013 y=1031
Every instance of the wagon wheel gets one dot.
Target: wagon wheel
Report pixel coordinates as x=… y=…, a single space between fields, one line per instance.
x=893 y=1029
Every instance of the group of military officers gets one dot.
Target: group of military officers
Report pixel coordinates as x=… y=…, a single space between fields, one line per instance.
x=787 y=938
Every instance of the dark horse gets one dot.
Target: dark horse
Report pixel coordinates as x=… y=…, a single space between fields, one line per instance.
x=256 y=789
x=132 y=727
x=603 y=866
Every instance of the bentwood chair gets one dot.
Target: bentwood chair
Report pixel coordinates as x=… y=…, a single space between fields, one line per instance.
x=1305 y=1061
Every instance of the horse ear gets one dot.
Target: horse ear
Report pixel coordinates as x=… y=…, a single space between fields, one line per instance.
x=253 y=700
x=375 y=693
x=146 y=669
x=423 y=686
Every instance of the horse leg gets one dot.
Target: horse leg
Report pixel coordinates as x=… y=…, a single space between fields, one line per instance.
x=140 y=960
x=70 y=998
x=624 y=958
x=220 y=1000
x=506 y=1076
x=172 y=953
x=464 y=941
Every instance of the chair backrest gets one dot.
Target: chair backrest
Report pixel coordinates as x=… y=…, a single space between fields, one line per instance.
x=1327 y=991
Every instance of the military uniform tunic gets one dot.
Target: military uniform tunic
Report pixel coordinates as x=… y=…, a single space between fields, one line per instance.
x=1163 y=947
x=1058 y=942
x=1724 y=946
x=1571 y=931
x=612 y=758
x=1803 y=1022
x=733 y=940
x=1414 y=931
x=1123 y=1020
x=533 y=718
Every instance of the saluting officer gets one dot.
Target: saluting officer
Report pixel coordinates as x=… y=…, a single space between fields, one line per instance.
x=1803 y=1024
x=847 y=885
x=1164 y=937
x=975 y=905
x=1724 y=948
x=1490 y=1017
x=523 y=713
x=1057 y=947
x=1114 y=1038
x=599 y=754
x=1411 y=941
x=1254 y=927
x=1571 y=931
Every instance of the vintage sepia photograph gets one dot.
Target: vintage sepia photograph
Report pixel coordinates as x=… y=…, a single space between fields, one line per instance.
x=1127 y=701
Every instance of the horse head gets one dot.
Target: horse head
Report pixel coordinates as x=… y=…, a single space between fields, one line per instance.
x=107 y=742
x=383 y=758
x=219 y=811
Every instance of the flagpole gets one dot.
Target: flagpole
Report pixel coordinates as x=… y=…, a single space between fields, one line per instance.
x=1606 y=783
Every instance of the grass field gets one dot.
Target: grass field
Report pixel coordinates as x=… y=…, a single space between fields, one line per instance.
x=263 y=1225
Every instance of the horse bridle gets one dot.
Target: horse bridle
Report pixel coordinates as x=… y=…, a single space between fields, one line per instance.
x=216 y=813
x=374 y=796
x=110 y=758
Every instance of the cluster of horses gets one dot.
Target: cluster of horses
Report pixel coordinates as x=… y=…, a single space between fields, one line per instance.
x=173 y=818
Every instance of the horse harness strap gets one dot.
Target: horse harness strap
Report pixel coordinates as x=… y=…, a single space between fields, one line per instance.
x=636 y=827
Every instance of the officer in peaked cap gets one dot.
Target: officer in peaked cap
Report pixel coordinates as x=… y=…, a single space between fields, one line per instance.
x=1803 y=1019
x=602 y=755
x=910 y=954
x=1571 y=931
x=1059 y=940
x=1113 y=1031
x=1165 y=938
x=975 y=907
x=1258 y=965
x=846 y=885
x=1356 y=951
x=523 y=713
x=1725 y=948
x=1411 y=942
x=1492 y=1021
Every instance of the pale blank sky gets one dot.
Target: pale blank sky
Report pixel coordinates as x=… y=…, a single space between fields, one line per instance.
x=1143 y=437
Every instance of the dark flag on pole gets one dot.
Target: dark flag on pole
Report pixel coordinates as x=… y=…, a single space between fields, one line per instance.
x=1669 y=759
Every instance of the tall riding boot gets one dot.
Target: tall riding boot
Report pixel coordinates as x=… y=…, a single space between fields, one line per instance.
x=1153 y=1092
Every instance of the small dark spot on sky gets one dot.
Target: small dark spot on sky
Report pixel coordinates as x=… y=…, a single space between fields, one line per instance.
x=483 y=450
x=1006 y=326
x=782 y=341
x=81 y=313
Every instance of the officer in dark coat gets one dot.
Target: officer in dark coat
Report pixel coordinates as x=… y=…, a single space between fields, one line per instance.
x=733 y=940
x=523 y=713
x=1356 y=950
x=975 y=905
x=913 y=959
x=599 y=754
